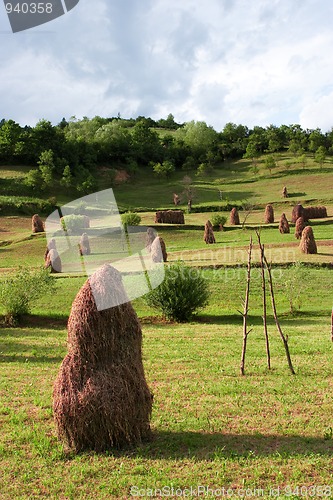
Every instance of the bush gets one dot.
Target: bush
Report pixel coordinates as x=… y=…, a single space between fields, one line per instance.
x=181 y=294
x=20 y=289
x=218 y=220
x=130 y=219
x=73 y=223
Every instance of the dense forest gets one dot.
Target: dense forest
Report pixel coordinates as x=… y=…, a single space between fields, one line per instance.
x=73 y=151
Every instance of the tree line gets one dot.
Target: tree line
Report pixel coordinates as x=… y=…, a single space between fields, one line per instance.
x=72 y=150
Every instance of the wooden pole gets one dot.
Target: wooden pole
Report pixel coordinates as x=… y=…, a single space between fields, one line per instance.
x=284 y=339
x=246 y=309
x=264 y=304
x=332 y=325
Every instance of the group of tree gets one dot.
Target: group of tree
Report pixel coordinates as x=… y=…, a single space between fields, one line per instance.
x=72 y=150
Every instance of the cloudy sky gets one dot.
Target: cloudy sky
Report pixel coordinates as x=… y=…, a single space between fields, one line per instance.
x=255 y=63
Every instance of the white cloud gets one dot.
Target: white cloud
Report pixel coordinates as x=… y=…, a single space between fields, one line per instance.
x=252 y=63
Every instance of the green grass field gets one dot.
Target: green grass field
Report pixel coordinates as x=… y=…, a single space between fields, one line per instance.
x=266 y=434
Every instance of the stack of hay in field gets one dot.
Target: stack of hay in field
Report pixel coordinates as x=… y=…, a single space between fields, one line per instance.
x=308 y=243
x=158 y=250
x=50 y=246
x=234 y=217
x=53 y=261
x=176 y=199
x=299 y=226
x=269 y=214
x=170 y=217
x=37 y=225
x=297 y=212
x=308 y=213
x=150 y=236
x=86 y=222
x=209 y=237
x=283 y=225
x=100 y=398
x=284 y=192
x=84 y=245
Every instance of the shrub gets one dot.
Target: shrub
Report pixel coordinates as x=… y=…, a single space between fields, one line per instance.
x=19 y=290
x=181 y=294
x=130 y=219
x=218 y=220
x=73 y=223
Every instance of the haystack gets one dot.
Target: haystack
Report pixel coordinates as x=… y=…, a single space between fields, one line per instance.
x=297 y=212
x=314 y=213
x=176 y=199
x=100 y=398
x=209 y=233
x=234 y=217
x=308 y=243
x=283 y=225
x=299 y=226
x=284 y=192
x=84 y=245
x=150 y=236
x=53 y=261
x=50 y=246
x=37 y=225
x=158 y=250
x=170 y=217
x=269 y=214
x=86 y=222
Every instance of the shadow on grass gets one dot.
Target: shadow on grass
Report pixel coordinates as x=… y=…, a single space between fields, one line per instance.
x=13 y=358
x=299 y=318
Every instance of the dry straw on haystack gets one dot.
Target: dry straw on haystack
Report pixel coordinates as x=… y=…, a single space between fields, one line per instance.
x=269 y=214
x=209 y=233
x=297 y=212
x=53 y=261
x=37 y=225
x=170 y=217
x=50 y=246
x=158 y=250
x=84 y=245
x=234 y=217
x=100 y=398
x=299 y=226
x=150 y=236
x=176 y=199
x=283 y=225
x=284 y=192
x=308 y=243
x=315 y=212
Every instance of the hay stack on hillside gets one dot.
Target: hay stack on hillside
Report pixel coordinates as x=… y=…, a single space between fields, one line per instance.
x=84 y=245
x=100 y=398
x=284 y=192
x=308 y=243
x=169 y=217
x=150 y=236
x=283 y=225
x=50 y=246
x=299 y=226
x=37 y=225
x=158 y=250
x=176 y=199
x=53 y=261
x=234 y=217
x=314 y=213
x=269 y=214
x=209 y=237
x=297 y=212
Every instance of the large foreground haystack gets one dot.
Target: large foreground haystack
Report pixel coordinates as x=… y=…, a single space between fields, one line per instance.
x=53 y=261
x=297 y=212
x=170 y=217
x=299 y=226
x=37 y=225
x=84 y=245
x=100 y=397
x=269 y=214
x=308 y=243
x=209 y=237
x=158 y=250
x=283 y=225
x=234 y=217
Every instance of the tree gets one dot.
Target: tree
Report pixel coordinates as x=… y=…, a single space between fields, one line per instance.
x=270 y=163
x=199 y=137
x=46 y=167
x=320 y=155
x=164 y=169
x=252 y=152
x=67 y=178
